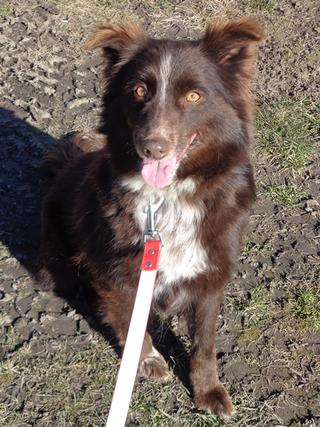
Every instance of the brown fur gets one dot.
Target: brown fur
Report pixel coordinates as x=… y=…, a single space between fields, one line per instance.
x=90 y=228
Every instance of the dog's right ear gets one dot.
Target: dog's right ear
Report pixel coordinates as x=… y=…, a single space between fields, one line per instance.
x=233 y=45
x=116 y=40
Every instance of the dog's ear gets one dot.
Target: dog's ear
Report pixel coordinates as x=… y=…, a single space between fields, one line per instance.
x=116 y=40
x=233 y=44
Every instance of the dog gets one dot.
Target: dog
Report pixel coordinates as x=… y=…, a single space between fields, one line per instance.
x=178 y=120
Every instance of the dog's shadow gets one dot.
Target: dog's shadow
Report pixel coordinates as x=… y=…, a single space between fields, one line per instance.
x=21 y=148
x=173 y=350
x=21 y=188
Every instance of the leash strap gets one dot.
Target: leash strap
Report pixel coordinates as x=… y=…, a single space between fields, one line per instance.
x=137 y=328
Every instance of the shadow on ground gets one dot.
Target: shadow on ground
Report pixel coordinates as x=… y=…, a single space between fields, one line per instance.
x=22 y=147
x=21 y=189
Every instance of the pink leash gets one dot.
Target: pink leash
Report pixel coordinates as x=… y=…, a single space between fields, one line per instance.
x=138 y=323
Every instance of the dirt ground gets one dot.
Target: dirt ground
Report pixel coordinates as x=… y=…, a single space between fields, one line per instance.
x=56 y=370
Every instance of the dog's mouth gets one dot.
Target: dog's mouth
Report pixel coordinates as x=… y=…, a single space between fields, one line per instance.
x=160 y=173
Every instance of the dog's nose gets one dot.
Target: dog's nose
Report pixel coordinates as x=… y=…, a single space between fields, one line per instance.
x=155 y=149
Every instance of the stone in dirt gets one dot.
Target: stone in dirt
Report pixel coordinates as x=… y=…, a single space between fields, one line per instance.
x=24 y=304
x=61 y=326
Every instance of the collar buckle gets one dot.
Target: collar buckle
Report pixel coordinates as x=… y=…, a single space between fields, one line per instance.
x=151 y=233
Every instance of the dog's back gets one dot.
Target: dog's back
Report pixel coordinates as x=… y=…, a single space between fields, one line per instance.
x=72 y=146
x=58 y=157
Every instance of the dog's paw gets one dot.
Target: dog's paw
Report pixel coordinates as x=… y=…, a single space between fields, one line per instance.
x=154 y=367
x=216 y=401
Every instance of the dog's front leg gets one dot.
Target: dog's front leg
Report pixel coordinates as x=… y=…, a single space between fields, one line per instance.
x=116 y=307
x=209 y=394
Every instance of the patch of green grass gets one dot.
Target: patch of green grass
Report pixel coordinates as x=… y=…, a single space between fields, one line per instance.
x=257 y=307
x=288 y=132
x=255 y=311
x=306 y=306
x=287 y=195
x=5 y=9
x=253 y=248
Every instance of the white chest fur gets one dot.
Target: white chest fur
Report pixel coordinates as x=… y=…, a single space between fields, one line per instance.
x=182 y=256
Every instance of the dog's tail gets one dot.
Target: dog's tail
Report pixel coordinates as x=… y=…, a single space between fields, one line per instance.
x=56 y=159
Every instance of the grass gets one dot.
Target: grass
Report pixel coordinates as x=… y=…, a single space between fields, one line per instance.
x=286 y=195
x=301 y=304
x=306 y=306
x=288 y=133
x=257 y=306
x=67 y=384
x=7 y=372
x=255 y=311
x=251 y=333
x=260 y=5
x=74 y=388
x=250 y=247
x=5 y=9
x=254 y=307
x=160 y=16
x=11 y=337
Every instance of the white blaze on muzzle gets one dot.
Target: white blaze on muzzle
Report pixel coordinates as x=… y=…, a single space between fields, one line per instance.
x=159 y=173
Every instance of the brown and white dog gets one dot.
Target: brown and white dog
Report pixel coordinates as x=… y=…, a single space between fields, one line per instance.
x=178 y=118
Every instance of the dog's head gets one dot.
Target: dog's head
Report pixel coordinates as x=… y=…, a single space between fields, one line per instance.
x=167 y=99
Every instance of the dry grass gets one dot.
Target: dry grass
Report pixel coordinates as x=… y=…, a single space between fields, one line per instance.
x=74 y=388
x=5 y=9
x=161 y=15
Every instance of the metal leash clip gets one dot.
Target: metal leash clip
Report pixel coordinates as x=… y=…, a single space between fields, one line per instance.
x=151 y=233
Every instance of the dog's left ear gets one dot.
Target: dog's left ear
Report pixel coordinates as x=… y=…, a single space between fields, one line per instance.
x=233 y=44
x=116 y=40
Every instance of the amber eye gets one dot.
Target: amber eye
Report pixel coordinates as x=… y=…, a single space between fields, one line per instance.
x=140 y=91
x=193 y=96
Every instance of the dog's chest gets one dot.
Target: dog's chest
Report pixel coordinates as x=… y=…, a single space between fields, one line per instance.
x=182 y=256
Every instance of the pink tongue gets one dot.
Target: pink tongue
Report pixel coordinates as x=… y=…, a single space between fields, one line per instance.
x=158 y=174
